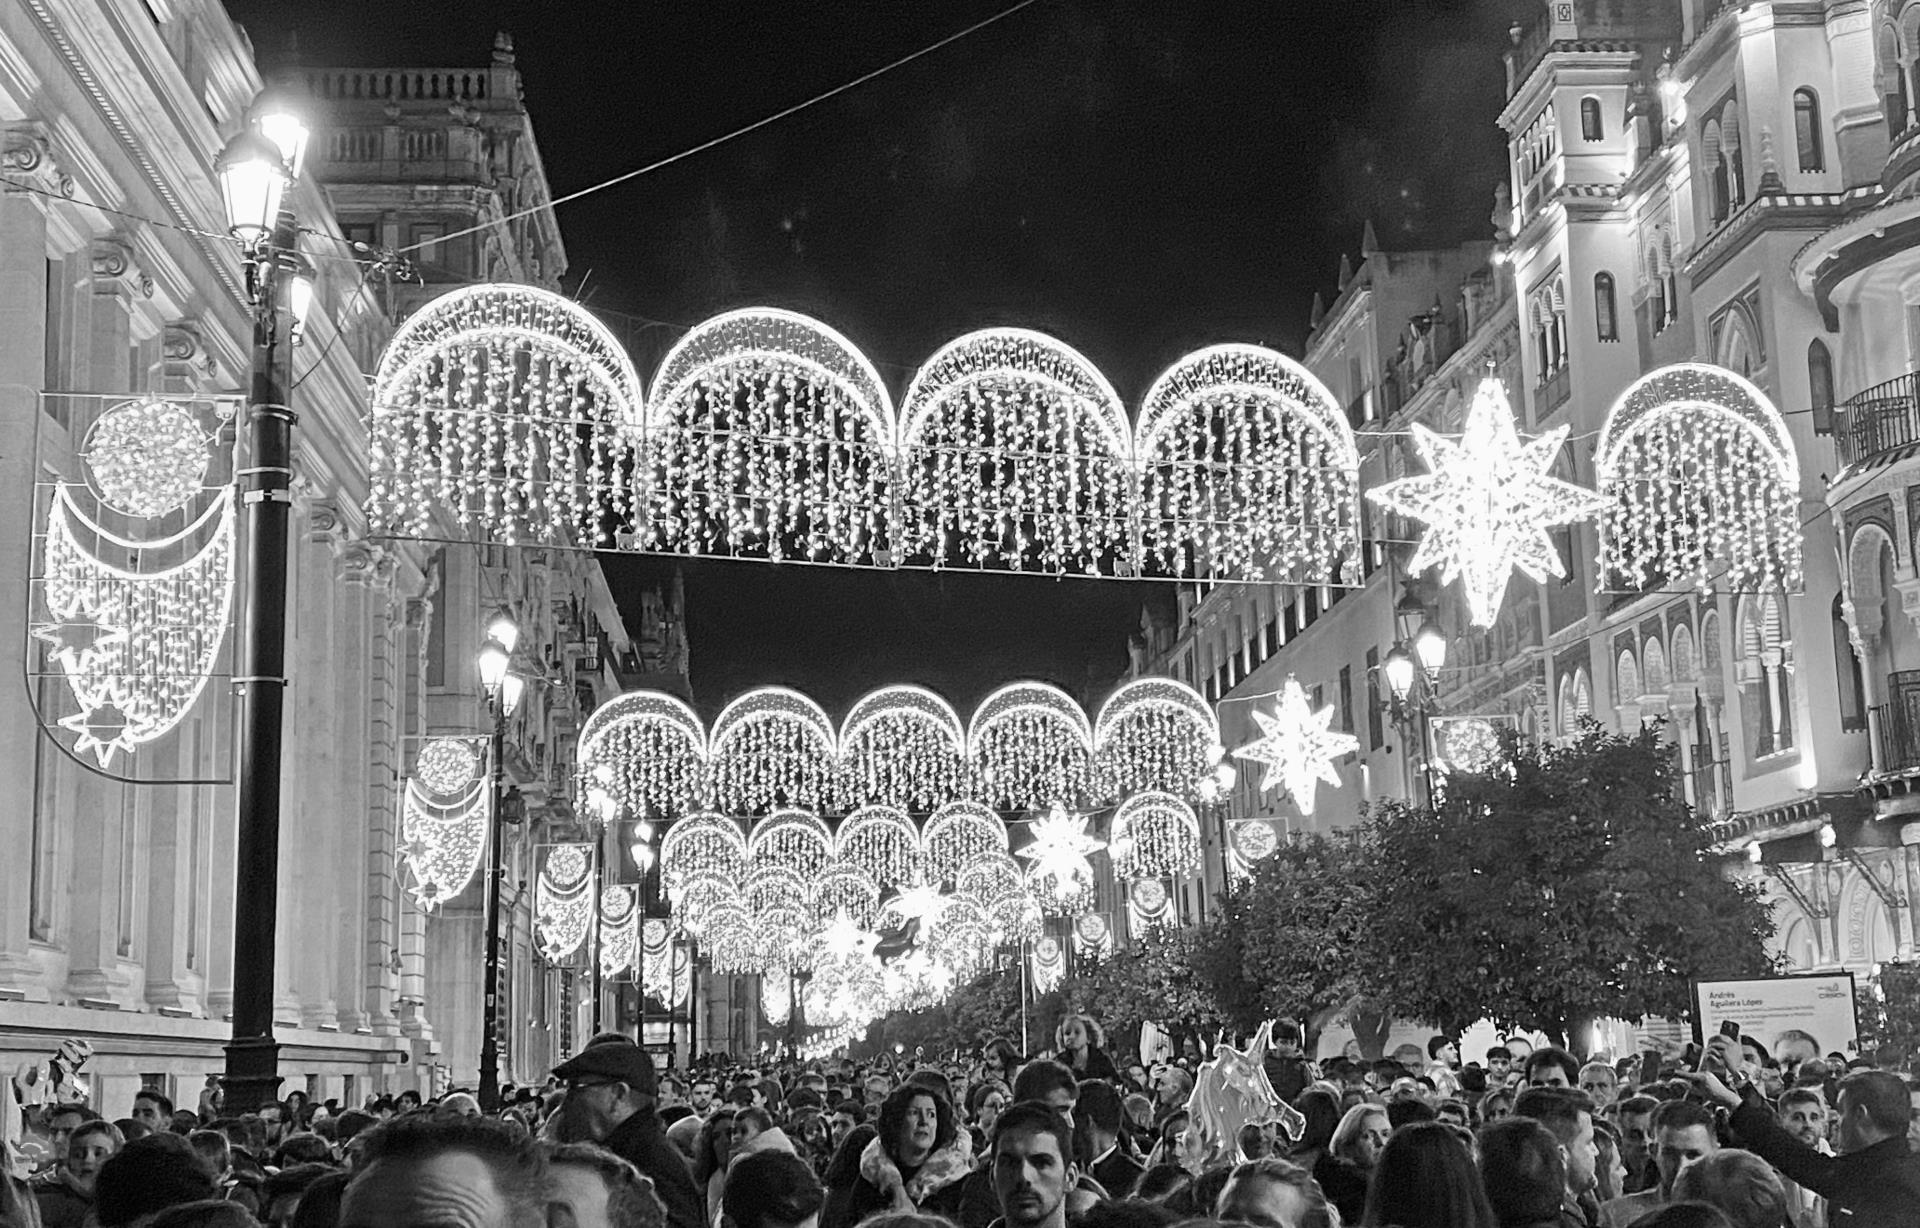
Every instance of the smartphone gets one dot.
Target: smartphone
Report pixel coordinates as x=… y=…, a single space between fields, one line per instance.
x=1649 y=1066
x=1730 y=1030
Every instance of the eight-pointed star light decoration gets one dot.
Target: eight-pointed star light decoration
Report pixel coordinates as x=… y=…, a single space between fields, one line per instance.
x=103 y=729
x=1487 y=502
x=1059 y=851
x=78 y=641
x=1298 y=746
x=844 y=939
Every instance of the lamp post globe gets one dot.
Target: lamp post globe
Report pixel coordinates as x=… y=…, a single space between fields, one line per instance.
x=1399 y=668
x=253 y=181
x=1430 y=645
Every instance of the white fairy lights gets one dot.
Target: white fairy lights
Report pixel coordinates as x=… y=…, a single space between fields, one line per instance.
x=442 y=835
x=509 y=413
x=958 y=835
x=1154 y=734
x=1032 y=746
x=1057 y=854
x=135 y=646
x=147 y=458
x=1487 y=502
x=1298 y=745
x=1155 y=835
x=771 y=747
x=903 y=746
x=1701 y=482
x=563 y=900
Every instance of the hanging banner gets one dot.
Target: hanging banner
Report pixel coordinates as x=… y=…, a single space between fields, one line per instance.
x=1814 y=1011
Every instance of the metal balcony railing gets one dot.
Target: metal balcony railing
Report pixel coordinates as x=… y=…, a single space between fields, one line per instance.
x=1899 y=722
x=1884 y=417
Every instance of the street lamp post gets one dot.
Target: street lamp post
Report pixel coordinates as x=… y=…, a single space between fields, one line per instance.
x=503 y=695
x=1413 y=669
x=256 y=169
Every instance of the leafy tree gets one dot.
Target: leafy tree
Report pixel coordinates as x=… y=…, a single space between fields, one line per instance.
x=1888 y=1007
x=1298 y=926
x=1166 y=977
x=1568 y=885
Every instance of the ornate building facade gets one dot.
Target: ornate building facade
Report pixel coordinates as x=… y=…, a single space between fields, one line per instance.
x=1718 y=182
x=116 y=284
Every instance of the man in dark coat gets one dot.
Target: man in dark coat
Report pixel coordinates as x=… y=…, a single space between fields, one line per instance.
x=612 y=1098
x=1874 y=1181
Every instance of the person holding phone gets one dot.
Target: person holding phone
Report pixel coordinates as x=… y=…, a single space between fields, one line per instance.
x=1875 y=1177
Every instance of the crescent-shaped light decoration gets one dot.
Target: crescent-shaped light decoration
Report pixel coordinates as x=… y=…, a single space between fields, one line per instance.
x=1154 y=835
x=903 y=746
x=1249 y=470
x=563 y=900
x=1092 y=936
x=1032 y=746
x=771 y=747
x=883 y=843
x=1702 y=486
x=619 y=930
x=957 y=835
x=1154 y=734
x=1148 y=905
x=1049 y=964
x=135 y=647
x=769 y=436
x=442 y=836
x=1016 y=455
x=506 y=413
x=647 y=751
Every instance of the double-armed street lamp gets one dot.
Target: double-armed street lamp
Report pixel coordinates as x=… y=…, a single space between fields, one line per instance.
x=503 y=690
x=1412 y=670
x=257 y=171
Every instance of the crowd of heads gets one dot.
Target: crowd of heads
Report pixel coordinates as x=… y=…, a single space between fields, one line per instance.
x=1528 y=1135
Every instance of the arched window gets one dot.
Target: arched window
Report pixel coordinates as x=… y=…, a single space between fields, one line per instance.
x=1764 y=670
x=1853 y=685
x=1820 y=385
x=1590 y=126
x=1893 y=99
x=1713 y=161
x=1606 y=320
x=1806 y=129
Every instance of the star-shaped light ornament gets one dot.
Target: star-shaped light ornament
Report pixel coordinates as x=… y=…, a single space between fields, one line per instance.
x=843 y=939
x=77 y=641
x=922 y=901
x=1487 y=502
x=1298 y=745
x=1059 y=850
x=102 y=729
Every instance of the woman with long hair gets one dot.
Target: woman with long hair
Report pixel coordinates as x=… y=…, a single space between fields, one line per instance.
x=1425 y=1178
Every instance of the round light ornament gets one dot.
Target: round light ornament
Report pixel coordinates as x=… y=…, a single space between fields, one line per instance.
x=567 y=864
x=447 y=766
x=147 y=458
x=1254 y=839
x=1149 y=895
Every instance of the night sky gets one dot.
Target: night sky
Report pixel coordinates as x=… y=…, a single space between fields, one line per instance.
x=1137 y=177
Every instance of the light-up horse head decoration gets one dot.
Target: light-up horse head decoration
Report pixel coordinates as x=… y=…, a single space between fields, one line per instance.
x=1232 y=1091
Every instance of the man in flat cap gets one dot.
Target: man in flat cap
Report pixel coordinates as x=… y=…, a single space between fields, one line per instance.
x=613 y=1100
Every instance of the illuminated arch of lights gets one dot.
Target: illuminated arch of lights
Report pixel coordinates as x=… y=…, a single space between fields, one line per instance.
x=507 y=413
x=1702 y=485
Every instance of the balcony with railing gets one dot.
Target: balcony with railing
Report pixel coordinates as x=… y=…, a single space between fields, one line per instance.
x=1880 y=419
x=1552 y=392
x=1897 y=723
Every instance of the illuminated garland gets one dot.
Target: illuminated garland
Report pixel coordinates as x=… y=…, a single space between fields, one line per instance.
x=1248 y=469
x=563 y=900
x=1154 y=734
x=1487 y=502
x=882 y=842
x=1700 y=481
x=704 y=843
x=648 y=751
x=903 y=746
x=771 y=747
x=796 y=840
x=1032 y=746
x=847 y=890
x=959 y=834
x=1155 y=835
x=659 y=957
x=510 y=413
x=135 y=645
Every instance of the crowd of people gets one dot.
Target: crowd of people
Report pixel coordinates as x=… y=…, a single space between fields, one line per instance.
x=1530 y=1137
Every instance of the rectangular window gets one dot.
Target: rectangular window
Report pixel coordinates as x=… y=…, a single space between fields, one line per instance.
x=1374 y=729
x=1346 y=698
x=426 y=243
x=366 y=233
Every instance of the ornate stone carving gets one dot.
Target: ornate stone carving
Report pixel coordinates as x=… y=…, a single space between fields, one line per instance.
x=364 y=563
x=26 y=154
x=115 y=271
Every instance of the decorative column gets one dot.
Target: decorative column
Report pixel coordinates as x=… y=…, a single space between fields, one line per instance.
x=357 y=565
x=382 y=960
x=26 y=157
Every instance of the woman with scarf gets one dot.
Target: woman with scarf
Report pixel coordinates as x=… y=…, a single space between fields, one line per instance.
x=916 y=1161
